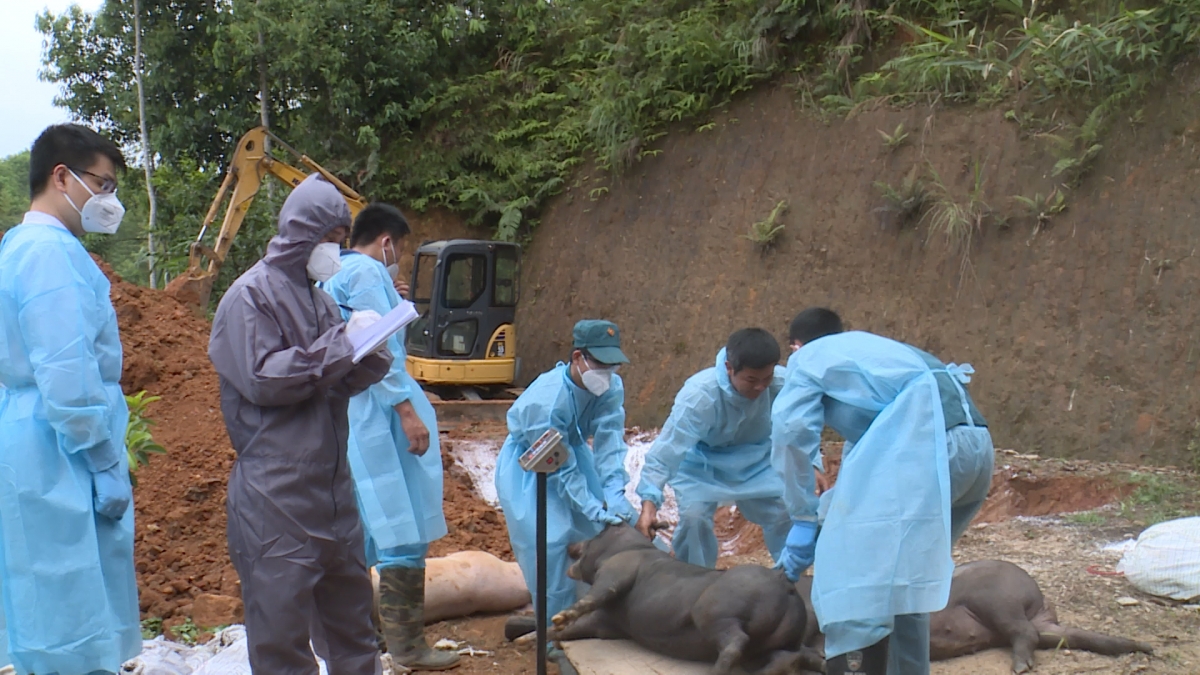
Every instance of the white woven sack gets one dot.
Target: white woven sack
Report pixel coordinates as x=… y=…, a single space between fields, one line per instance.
x=1165 y=560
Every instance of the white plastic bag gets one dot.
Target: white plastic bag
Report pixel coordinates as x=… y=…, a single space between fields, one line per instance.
x=225 y=654
x=1165 y=560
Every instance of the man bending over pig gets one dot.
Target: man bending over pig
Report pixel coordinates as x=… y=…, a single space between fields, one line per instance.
x=716 y=447
x=916 y=469
x=582 y=399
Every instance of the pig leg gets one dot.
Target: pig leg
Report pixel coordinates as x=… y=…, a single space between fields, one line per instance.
x=731 y=641
x=611 y=583
x=788 y=663
x=1023 y=637
x=593 y=626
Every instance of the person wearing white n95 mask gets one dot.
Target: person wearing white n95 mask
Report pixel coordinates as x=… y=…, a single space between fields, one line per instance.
x=287 y=373
x=582 y=399
x=66 y=503
x=394 y=452
x=102 y=212
x=325 y=261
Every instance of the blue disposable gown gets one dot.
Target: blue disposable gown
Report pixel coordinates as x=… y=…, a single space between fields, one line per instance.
x=399 y=494
x=716 y=448
x=885 y=546
x=588 y=488
x=69 y=586
x=716 y=444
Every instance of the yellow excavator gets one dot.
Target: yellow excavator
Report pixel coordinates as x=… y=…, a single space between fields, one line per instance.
x=464 y=343
x=250 y=164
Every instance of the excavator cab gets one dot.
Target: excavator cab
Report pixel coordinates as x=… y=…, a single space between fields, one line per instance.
x=466 y=293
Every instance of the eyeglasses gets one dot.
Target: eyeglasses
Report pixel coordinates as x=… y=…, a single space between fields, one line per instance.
x=107 y=184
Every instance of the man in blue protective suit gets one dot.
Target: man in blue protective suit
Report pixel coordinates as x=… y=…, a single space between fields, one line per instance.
x=581 y=399
x=916 y=468
x=66 y=506
x=394 y=453
x=716 y=447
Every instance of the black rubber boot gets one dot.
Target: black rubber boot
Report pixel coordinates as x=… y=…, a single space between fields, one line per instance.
x=870 y=661
x=518 y=625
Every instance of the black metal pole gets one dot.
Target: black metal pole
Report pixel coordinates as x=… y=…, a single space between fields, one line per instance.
x=540 y=609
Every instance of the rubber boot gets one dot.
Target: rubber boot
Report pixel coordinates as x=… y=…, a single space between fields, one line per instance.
x=519 y=624
x=378 y=623
x=870 y=661
x=402 y=615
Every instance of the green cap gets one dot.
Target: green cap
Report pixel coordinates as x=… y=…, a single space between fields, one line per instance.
x=601 y=339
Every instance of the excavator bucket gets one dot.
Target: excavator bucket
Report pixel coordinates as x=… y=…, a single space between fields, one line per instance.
x=191 y=292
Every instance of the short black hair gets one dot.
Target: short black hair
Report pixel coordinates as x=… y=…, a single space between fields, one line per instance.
x=751 y=348
x=73 y=145
x=375 y=219
x=813 y=323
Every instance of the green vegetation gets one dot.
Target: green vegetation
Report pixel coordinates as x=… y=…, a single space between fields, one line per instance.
x=151 y=628
x=187 y=632
x=14 y=189
x=1042 y=208
x=1160 y=497
x=904 y=203
x=764 y=232
x=1086 y=518
x=896 y=138
x=958 y=222
x=491 y=107
x=1193 y=447
x=139 y=443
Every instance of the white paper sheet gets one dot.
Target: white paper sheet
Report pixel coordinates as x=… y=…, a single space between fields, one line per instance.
x=370 y=338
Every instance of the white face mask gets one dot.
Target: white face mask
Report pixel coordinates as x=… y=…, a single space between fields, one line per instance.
x=597 y=380
x=324 y=261
x=394 y=268
x=101 y=213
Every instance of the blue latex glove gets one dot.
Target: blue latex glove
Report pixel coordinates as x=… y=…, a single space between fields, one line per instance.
x=619 y=506
x=110 y=485
x=799 y=549
x=608 y=517
x=113 y=492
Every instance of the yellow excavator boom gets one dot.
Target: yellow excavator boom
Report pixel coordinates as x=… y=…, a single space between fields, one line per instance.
x=249 y=165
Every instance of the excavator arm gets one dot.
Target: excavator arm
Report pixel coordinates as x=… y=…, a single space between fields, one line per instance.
x=247 y=169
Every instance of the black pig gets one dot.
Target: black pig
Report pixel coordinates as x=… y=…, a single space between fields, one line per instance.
x=747 y=616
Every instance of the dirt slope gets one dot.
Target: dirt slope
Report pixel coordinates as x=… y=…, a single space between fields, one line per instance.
x=1083 y=337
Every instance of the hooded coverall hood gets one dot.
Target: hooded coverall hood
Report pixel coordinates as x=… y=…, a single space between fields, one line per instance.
x=309 y=213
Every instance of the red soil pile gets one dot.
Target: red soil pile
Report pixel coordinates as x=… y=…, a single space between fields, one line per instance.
x=472 y=523
x=180 y=497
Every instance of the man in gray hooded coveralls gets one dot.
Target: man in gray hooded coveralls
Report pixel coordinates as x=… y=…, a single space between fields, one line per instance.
x=280 y=348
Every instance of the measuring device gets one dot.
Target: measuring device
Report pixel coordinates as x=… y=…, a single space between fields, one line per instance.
x=544 y=457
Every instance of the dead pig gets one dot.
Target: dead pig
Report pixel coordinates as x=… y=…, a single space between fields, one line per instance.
x=994 y=603
x=747 y=616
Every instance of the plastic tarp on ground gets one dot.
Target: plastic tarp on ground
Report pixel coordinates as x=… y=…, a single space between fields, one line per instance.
x=1165 y=560
x=225 y=654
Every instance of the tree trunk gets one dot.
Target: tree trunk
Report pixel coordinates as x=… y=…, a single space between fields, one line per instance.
x=147 y=156
x=264 y=108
